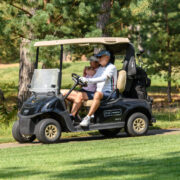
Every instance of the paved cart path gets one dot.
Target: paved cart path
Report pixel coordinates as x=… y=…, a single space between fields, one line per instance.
x=2 y=66
x=97 y=137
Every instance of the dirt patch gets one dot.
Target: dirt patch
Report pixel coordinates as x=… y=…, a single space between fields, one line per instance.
x=8 y=65
x=96 y=137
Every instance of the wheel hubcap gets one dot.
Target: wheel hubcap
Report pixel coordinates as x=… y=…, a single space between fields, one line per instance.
x=51 y=131
x=139 y=125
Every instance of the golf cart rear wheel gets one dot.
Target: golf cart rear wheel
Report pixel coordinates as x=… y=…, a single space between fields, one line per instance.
x=137 y=124
x=109 y=132
x=18 y=136
x=48 y=131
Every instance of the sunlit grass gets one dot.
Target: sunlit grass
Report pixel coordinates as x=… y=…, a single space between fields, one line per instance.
x=145 y=158
x=9 y=75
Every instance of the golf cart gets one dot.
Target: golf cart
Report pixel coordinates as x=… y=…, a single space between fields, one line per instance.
x=44 y=115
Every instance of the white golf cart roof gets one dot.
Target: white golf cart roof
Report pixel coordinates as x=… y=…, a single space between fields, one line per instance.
x=84 y=41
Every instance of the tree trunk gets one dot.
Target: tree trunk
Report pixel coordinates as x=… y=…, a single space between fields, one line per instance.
x=169 y=83
x=168 y=45
x=43 y=66
x=104 y=17
x=26 y=69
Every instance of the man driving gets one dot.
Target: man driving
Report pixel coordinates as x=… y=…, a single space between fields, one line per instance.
x=105 y=80
x=86 y=93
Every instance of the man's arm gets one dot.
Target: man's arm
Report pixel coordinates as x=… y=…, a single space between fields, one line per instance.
x=108 y=73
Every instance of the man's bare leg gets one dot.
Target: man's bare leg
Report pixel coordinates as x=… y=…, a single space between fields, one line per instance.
x=81 y=96
x=96 y=102
x=72 y=95
x=70 y=98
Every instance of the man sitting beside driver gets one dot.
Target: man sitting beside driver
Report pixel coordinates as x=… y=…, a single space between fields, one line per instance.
x=105 y=80
x=89 y=72
x=87 y=92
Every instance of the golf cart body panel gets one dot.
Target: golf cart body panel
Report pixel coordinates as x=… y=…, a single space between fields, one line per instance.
x=35 y=108
x=47 y=101
x=118 y=110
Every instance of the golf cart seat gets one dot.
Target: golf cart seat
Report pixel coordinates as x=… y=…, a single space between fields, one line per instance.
x=121 y=84
x=121 y=81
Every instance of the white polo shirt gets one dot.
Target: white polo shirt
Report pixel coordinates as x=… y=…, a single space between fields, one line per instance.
x=105 y=78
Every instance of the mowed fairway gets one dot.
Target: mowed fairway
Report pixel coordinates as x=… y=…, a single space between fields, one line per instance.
x=148 y=157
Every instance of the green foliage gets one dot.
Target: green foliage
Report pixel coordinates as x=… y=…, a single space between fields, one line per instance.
x=8 y=108
x=7 y=116
x=36 y=20
x=161 y=35
x=9 y=43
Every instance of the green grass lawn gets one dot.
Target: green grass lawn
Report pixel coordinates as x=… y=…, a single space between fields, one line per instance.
x=145 y=158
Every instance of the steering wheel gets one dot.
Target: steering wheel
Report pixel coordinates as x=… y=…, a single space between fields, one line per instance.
x=76 y=79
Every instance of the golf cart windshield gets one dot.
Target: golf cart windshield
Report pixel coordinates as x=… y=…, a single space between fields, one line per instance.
x=45 y=80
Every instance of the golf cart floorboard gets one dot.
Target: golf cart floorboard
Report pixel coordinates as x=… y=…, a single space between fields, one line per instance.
x=100 y=126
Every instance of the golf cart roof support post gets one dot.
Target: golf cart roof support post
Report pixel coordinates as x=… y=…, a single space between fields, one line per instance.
x=37 y=57
x=60 y=67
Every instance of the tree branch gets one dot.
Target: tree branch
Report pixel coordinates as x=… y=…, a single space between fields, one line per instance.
x=21 y=36
x=61 y=16
x=22 y=9
x=58 y=18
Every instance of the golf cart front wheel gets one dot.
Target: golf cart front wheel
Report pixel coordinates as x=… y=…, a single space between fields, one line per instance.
x=48 y=131
x=18 y=136
x=137 y=124
x=109 y=132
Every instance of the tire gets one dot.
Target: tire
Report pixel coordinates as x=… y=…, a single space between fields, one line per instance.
x=109 y=132
x=48 y=131
x=137 y=124
x=18 y=136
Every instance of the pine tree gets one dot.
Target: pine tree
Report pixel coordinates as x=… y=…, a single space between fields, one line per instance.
x=47 y=19
x=111 y=14
x=161 y=34
x=32 y=20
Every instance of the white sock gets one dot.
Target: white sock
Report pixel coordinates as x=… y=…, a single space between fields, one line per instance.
x=71 y=115
x=92 y=116
x=89 y=117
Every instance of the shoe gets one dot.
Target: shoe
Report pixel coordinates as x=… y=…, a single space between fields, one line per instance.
x=86 y=121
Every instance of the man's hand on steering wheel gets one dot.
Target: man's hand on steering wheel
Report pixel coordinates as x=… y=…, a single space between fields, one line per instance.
x=84 y=80
x=80 y=80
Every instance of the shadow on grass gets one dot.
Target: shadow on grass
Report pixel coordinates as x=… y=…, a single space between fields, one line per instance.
x=97 y=136
x=118 y=168
x=18 y=172
x=66 y=65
